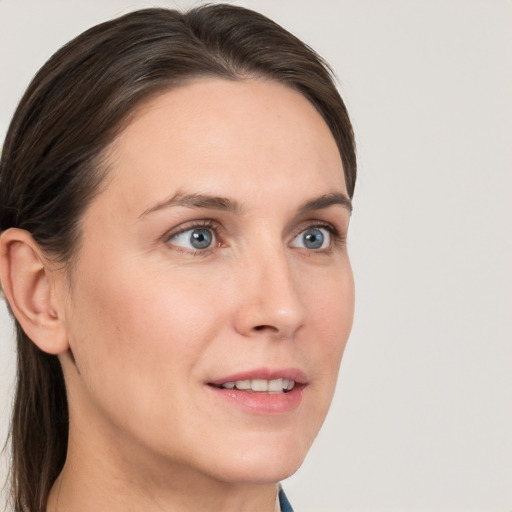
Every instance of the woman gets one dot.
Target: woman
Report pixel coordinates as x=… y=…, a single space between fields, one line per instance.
x=175 y=201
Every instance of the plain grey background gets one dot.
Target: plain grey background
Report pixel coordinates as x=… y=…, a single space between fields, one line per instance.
x=422 y=419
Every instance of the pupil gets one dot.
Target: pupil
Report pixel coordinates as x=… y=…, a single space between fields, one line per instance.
x=200 y=238
x=313 y=239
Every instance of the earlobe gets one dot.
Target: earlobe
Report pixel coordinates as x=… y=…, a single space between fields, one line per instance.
x=25 y=276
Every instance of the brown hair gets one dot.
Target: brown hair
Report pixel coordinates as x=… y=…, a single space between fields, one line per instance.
x=51 y=164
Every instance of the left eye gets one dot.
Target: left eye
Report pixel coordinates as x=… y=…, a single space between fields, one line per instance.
x=195 y=238
x=313 y=238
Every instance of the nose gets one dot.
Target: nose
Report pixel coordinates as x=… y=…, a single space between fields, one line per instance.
x=270 y=303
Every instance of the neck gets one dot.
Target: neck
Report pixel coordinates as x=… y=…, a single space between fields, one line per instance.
x=72 y=493
x=98 y=479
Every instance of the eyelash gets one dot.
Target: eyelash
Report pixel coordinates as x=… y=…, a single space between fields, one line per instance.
x=337 y=238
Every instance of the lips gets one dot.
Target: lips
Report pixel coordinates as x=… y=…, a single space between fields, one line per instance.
x=280 y=385
x=262 y=391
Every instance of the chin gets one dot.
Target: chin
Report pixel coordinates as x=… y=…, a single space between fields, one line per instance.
x=263 y=462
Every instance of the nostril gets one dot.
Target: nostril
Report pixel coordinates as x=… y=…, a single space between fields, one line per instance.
x=263 y=327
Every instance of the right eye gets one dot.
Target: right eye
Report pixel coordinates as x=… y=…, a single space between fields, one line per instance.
x=195 y=239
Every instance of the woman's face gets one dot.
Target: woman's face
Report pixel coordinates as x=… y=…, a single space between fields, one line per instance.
x=214 y=260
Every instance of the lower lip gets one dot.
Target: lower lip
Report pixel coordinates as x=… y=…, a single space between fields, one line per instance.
x=262 y=403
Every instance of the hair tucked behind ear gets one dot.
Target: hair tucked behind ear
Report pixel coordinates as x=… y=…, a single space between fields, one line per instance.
x=51 y=163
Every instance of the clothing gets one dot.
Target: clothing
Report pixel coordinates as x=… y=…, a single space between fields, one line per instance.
x=283 y=501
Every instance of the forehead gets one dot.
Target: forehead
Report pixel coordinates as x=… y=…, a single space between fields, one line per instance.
x=226 y=137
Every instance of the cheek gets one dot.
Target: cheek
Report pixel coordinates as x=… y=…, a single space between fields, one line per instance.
x=135 y=334
x=331 y=313
x=332 y=308
x=138 y=344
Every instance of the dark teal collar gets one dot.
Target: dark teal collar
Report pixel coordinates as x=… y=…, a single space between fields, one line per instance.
x=283 y=501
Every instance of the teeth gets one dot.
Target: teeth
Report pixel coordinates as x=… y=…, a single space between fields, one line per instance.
x=243 y=384
x=261 y=385
x=276 y=385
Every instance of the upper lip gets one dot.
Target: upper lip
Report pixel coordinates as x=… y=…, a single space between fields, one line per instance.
x=264 y=373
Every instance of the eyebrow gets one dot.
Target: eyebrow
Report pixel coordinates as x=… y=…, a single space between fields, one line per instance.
x=229 y=205
x=197 y=201
x=325 y=201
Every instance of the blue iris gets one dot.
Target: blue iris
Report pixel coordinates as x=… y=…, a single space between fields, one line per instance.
x=313 y=238
x=200 y=238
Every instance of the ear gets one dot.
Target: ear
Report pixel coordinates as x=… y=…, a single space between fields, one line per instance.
x=28 y=287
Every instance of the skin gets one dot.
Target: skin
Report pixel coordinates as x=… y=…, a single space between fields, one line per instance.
x=149 y=321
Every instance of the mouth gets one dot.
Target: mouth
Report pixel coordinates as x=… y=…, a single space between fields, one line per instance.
x=262 y=391
x=280 y=385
